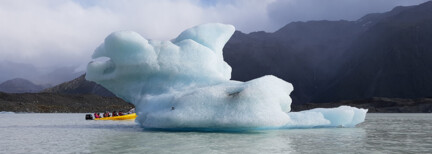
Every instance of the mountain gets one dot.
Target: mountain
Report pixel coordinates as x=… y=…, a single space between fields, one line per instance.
x=307 y=54
x=19 y=85
x=80 y=86
x=380 y=55
x=391 y=59
x=10 y=70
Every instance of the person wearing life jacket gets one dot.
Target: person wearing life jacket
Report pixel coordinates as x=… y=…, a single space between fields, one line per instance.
x=120 y=113
x=96 y=115
x=106 y=114
x=114 y=114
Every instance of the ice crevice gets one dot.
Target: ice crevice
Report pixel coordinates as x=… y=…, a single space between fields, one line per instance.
x=185 y=84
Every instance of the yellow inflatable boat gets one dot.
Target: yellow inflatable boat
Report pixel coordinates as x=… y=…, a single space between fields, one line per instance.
x=122 y=117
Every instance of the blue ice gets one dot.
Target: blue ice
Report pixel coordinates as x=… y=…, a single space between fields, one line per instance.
x=185 y=83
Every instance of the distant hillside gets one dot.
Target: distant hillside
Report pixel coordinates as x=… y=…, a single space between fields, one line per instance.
x=10 y=70
x=19 y=85
x=63 y=103
x=80 y=86
x=393 y=58
x=380 y=55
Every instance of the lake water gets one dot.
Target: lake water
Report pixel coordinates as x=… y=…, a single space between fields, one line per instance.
x=70 y=133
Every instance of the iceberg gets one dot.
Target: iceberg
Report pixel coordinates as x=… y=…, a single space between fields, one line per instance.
x=185 y=83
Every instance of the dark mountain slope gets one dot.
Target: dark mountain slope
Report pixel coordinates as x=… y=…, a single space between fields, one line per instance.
x=380 y=55
x=391 y=59
x=303 y=53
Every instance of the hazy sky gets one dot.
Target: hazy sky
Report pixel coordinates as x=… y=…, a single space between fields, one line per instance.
x=52 y=33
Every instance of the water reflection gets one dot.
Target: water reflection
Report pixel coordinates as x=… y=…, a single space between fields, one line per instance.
x=399 y=133
x=270 y=141
x=194 y=142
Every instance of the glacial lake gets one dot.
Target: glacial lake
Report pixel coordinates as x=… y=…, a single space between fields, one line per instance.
x=71 y=133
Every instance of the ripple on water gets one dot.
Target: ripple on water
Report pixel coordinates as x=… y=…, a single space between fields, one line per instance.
x=70 y=133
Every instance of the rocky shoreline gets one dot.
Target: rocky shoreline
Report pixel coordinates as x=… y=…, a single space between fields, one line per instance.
x=60 y=103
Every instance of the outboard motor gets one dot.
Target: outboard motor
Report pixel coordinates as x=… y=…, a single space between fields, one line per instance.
x=89 y=117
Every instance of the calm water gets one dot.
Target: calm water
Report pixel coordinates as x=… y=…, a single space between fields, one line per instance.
x=70 y=133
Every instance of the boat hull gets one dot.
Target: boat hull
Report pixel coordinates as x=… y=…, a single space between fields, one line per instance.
x=123 y=117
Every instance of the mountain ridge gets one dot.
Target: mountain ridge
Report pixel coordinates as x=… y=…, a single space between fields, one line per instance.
x=20 y=85
x=80 y=86
x=391 y=59
x=329 y=61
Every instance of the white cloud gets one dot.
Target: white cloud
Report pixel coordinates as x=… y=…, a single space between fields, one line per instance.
x=51 y=33
x=48 y=34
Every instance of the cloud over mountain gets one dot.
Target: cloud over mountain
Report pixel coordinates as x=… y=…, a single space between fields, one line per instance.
x=61 y=33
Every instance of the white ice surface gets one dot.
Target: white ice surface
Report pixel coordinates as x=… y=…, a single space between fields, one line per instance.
x=190 y=75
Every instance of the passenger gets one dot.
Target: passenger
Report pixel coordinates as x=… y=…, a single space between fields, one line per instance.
x=114 y=114
x=106 y=114
x=96 y=115
x=120 y=113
